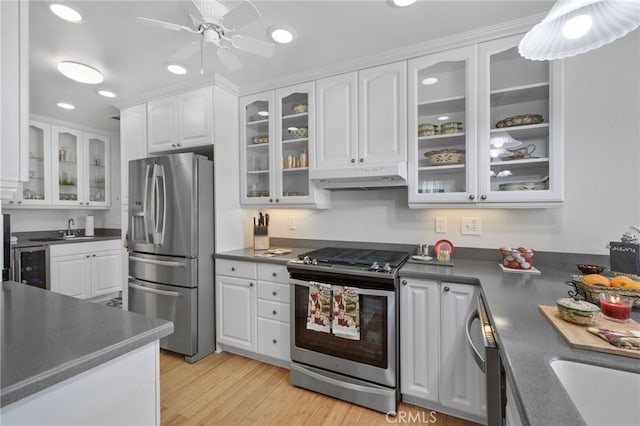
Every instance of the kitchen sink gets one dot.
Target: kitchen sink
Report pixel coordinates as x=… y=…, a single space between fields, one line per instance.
x=603 y=396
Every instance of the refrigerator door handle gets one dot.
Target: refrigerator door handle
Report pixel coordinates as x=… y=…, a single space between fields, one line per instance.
x=156 y=262
x=161 y=175
x=154 y=206
x=155 y=291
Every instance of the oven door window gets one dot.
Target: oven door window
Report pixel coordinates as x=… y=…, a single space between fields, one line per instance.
x=371 y=349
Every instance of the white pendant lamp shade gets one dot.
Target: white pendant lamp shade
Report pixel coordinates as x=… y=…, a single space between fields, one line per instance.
x=573 y=27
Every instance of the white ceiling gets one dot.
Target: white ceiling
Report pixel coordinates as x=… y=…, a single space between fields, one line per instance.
x=130 y=54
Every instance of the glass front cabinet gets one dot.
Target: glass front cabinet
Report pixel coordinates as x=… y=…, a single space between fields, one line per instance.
x=483 y=128
x=277 y=148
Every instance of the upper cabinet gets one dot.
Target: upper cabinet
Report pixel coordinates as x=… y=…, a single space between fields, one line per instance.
x=277 y=148
x=133 y=138
x=361 y=128
x=501 y=148
x=180 y=121
x=14 y=84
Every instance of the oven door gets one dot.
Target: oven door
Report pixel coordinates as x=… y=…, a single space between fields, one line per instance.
x=371 y=358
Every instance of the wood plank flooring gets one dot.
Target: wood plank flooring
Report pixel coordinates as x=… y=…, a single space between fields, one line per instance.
x=227 y=389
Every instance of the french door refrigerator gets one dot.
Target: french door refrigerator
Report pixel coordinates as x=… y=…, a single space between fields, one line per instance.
x=171 y=243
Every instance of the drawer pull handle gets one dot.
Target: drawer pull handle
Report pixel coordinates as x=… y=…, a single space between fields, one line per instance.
x=274 y=293
x=275 y=341
x=275 y=312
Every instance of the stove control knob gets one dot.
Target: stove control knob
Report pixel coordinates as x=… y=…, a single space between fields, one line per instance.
x=387 y=267
x=314 y=262
x=375 y=266
x=306 y=260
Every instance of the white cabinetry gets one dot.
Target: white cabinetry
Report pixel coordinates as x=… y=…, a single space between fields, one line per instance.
x=361 y=120
x=474 y=135
x=277 y=150
x=180 y=121
x=133 y=142
x=235 y=304
x=252 y=310
x=86 y=270
x=437 y=370
x=14 y=95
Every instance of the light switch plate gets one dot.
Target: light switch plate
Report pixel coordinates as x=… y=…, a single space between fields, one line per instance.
x=441 y=225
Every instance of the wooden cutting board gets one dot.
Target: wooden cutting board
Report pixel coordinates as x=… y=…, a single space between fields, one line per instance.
x=579 y=337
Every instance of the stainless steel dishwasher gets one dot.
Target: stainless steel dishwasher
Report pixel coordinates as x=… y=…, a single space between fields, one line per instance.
x=490 y=364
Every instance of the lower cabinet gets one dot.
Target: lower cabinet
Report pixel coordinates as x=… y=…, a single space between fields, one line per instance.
x=438 y=370
x=252 y=310
x=86 y=270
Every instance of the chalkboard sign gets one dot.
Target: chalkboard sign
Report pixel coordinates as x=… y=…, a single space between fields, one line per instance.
x=624 y=257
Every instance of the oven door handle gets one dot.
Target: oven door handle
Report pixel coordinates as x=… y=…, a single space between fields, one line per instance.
x=363 y=291
x=477 y=357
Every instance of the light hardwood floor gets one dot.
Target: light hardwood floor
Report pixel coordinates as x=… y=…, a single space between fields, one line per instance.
x=227 y=389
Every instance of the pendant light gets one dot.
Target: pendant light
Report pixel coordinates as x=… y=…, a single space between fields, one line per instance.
x=573 y=27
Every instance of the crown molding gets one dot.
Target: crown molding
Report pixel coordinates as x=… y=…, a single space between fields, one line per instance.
x=75 y=126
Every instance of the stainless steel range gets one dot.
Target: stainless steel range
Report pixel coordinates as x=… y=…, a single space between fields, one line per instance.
x=344 y=317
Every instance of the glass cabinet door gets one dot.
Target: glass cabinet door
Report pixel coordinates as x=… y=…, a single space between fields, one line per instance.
x=293 y=133
x=519 y=158
x=442 y=127
x=37 y=190
x=67 y=173
x=96 y=166
x=257 y=138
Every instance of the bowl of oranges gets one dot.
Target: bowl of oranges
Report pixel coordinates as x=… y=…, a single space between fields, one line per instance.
x=590 y=286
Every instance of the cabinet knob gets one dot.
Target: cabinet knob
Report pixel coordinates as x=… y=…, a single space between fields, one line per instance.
x=273 y=274
x=362 y=160
x=275 y=312
x=404 y=282
x=483 y=197
x=93 y=255
x=250 y=284
x=233 y=268
x=277 y=200
x=88 y=256
x=11 y=202
x=274 y=293
x=178 y=145
x=472 y=197
x=173 y=145
x=19 y=202
x=275 y=341
x=271 y=200
x=353 y=160
x=446 y=288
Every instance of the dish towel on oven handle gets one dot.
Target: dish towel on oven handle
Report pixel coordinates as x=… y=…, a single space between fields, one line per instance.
x=319 y=307
x=346 y=312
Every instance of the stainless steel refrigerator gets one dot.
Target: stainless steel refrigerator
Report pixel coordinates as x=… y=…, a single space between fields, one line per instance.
x=171 y=243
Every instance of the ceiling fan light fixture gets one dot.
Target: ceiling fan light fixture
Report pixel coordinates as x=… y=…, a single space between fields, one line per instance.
x=65 y=105
x=282 y=34
x=176 y=69
x=80 y=72
x=402 y=3
x=573 y=27
x=66 y=12
x=106 y=93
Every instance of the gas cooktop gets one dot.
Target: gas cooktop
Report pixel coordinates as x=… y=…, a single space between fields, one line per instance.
x=386 y=261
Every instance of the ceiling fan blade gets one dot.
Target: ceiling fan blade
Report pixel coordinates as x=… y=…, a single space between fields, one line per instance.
x=252 y=45
x=187 y=51
x=228 y=59
x=211 y=10
x=166 y=25
x=240 y=16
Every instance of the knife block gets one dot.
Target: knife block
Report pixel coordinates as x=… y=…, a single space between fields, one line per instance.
x=260 y=237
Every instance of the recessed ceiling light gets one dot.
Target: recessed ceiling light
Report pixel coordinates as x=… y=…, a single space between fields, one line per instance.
x=443 y=117
x=176 y=69
x=402 y=3
x=281 y=34
x=429 y=81
x=80 y=72
x=66 y=12
x=65 y=105
x=106 y=93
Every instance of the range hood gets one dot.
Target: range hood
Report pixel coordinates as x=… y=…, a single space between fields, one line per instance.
x=384 y=175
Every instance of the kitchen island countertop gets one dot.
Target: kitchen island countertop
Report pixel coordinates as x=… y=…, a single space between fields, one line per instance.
x=526 y=339
x=48 y=338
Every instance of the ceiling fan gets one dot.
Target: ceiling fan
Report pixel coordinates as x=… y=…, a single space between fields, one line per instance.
x=214 y=28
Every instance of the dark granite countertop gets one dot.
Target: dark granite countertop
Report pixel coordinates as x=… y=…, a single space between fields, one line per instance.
x=48 y=337
x=251 y=255
x=34 y=238
x=526 y=339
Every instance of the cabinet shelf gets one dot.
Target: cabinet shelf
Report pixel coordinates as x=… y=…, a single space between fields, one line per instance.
x=258 y=122
x=440 y=106
x=290 y=116
x=257 y=172
x=68 y=163
x=95 y=165
x=295 y=169
x=520 y=94
x=444 y=169
x=520 y=164
x=293 y=141
x=449 y=139
x=528 y=131
x=35 y=157
x=258 y=145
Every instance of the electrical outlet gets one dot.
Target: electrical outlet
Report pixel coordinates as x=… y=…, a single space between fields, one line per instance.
x=471 y=226
x=292 y=223
x=441 y=225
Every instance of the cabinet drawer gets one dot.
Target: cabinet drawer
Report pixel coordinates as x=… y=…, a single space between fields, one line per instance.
x=273 y=339
x=66 y=249
x=273 y=273
x=273 y=310
x=273 y=291
x=235 y=268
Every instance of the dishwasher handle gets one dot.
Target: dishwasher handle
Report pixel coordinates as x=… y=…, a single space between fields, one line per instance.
x=477 y=357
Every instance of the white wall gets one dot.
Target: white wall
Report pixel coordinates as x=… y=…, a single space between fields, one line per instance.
x=602 y=177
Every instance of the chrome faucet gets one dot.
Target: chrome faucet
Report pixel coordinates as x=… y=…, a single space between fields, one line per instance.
x=69 y=223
